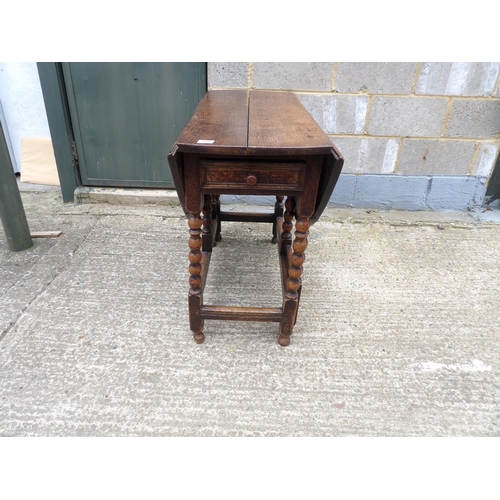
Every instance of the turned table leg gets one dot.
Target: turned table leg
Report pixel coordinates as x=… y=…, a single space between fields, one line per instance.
x=195 y=297
x=293 y=283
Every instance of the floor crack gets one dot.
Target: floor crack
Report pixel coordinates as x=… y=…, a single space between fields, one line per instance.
x=57 y=273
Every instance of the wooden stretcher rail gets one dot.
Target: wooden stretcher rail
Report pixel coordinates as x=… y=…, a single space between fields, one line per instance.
x=246 y=217
x=242 y=313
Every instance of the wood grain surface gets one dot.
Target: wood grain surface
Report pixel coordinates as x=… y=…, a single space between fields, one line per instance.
x=278 y=123
x=252 y=122
x=221 y=117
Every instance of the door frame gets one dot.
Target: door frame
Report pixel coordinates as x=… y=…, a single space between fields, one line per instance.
x=61 y=128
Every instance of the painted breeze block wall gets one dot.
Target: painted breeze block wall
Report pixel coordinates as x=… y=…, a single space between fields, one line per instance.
x=415 y=136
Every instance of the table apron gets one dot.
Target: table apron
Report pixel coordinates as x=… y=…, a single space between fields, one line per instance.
x=258 y=176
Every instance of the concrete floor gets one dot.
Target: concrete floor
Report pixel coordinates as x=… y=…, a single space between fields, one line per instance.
x=397 y=335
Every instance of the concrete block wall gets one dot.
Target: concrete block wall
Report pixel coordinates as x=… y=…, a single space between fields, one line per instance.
x=414 y=135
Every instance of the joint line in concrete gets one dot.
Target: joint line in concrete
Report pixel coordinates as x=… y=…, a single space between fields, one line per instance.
x=56 y=274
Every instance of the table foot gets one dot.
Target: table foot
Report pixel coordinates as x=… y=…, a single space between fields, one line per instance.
x=284 y=341
x=199 y=337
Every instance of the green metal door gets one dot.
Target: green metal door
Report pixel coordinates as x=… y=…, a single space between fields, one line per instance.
x=126 y=117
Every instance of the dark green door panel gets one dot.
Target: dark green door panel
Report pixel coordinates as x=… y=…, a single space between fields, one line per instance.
x=127 y=116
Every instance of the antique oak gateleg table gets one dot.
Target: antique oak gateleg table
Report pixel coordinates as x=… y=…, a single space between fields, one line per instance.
x=252 y=143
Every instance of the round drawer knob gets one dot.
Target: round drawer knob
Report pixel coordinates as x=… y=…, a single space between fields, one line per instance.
x=251 y=179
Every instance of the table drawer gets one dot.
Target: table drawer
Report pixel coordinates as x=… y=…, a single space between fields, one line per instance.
x=256 y=176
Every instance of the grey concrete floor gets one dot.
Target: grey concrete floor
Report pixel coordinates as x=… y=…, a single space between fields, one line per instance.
x=397 y=335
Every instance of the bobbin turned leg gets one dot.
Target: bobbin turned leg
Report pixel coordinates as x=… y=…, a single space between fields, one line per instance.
x=195 y=297
x=293 y=283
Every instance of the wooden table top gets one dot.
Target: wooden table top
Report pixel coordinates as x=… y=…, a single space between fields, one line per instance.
x=252 y=122
x=256 y=123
